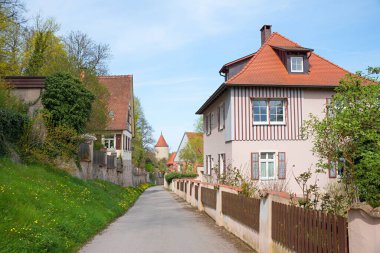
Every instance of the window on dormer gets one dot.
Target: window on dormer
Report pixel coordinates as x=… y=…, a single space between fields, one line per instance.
x=296 y=64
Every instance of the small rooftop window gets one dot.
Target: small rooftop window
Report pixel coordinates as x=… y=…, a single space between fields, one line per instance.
x=296 y=64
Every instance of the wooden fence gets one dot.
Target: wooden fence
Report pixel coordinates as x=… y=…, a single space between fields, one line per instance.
x=84 y=151
x=111 y=161
x=99 y=157
x=196 y=192
x=308 y=231
x=208 y=197
x=242 y=209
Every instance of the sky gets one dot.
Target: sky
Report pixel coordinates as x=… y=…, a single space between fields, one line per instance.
x=175 y=48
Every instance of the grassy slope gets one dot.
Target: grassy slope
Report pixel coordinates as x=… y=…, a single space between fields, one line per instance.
x=46 y=210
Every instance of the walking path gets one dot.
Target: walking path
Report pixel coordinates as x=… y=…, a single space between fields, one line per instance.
x=161 y=222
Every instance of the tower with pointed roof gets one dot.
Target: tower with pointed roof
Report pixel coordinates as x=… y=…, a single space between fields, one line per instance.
x=161 y=148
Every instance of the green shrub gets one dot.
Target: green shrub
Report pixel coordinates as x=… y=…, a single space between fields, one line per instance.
x=68 y=101
x=173 y=175
x=11 y=128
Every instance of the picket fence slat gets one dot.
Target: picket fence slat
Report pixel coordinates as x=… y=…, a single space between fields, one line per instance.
x=308 y=231
x=242 y=209
x=208 y=197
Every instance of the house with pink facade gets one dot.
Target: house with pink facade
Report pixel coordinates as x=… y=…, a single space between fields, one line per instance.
x=254 y=118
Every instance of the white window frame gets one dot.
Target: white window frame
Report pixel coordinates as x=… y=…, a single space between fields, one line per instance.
x=107 y=139
x=267 y=160
x=253 y=112
x=291 y=64
x=221 y=117
x=208 y=164
x=283 y=112
x=208 y=123
x=269 y=122
x=221 y=161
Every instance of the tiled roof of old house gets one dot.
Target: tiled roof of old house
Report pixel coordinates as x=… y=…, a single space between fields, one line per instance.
x=161 y=142
x=120 y=88
x=171 y=158
x=266 y=67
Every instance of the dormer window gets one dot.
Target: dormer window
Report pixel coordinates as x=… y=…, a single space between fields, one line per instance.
x=296 y=64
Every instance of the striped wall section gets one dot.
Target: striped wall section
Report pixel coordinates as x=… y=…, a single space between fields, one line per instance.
x=244 y=130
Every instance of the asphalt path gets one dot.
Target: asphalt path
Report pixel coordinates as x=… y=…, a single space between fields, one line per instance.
x=162 y=222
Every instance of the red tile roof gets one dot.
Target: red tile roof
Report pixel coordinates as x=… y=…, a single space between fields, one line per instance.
x=171 y=158
x=120 y=88
x=193 y=134
x=161 y=142
x=266 y=68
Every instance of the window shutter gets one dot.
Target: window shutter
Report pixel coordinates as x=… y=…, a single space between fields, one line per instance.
x=255 y=166
x=224 y=163
x=205 y=124
x=224 y=116
x=286 y=112
x=218 y=112
x=281 y=165
x=219 y=164
x=332 y=169
x=118 y=141
x=206 y=165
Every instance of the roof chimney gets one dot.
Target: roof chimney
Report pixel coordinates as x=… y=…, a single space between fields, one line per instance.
x=266 y=31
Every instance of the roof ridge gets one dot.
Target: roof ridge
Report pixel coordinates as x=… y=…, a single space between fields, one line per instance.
x=253 y=58
x=115 y=76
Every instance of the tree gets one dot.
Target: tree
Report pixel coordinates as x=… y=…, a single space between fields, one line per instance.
x=10 y=26
x=44 y=52
x=67 y=101
x=198 y=125
x=192 y=153
x=99 y=114
x=84 y=53
x=143 y=139
x=351 y=132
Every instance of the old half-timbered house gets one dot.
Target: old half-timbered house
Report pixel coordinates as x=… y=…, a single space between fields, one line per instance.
x=117 y=137
x=253 y=120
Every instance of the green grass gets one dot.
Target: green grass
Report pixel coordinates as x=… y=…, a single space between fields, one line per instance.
x=43 y=209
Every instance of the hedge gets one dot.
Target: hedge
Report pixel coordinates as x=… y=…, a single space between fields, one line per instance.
x=173 y=175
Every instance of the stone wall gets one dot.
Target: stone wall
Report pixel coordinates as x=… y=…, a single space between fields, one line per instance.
x=99 y=165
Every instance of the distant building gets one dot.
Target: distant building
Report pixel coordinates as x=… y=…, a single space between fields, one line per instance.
x=185 y=139
x=172 y=165
x=161 y=148
x=118 y=134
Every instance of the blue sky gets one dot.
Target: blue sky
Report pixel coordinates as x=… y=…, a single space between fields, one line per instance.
x=175 y=48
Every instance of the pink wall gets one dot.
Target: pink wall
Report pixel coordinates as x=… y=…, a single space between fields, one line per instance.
x=215 y=143
x=299 y=157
